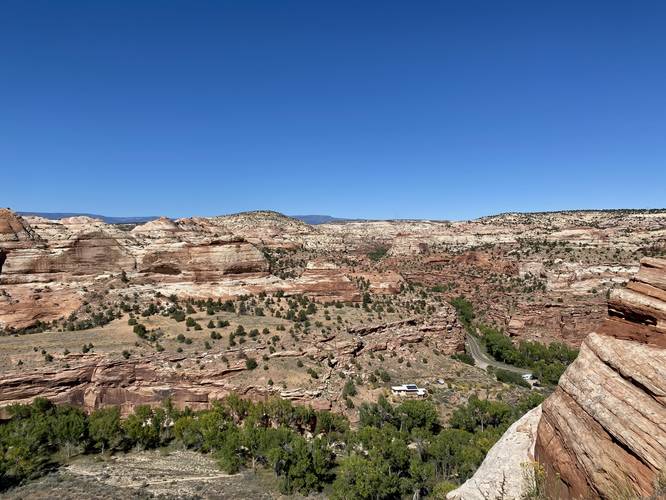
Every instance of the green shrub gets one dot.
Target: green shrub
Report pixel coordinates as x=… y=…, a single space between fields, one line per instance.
x=463 y=357
x=510 y=377
x=378 y=253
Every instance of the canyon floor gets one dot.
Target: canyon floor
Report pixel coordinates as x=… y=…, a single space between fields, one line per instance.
x=167 y=474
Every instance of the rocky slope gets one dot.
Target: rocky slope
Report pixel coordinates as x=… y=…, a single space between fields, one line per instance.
x=94 y=380
x=507 y=465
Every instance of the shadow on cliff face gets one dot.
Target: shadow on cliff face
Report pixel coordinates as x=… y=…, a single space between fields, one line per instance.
x=3 y=257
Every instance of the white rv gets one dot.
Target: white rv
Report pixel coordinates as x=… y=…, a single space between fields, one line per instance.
x=408 y=390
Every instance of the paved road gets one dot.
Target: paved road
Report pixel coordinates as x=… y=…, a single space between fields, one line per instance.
x=482 y=359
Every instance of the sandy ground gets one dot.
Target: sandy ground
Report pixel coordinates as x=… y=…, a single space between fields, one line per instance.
x=150 y=474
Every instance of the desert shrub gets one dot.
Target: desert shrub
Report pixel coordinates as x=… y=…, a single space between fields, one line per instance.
x=463 y=357
x=465 y=310
x=510 y=377
x=378 y=253
x=105 y=430
x=349 y=389
x=480 y=414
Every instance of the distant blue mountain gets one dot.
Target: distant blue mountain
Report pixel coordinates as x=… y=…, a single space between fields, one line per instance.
x=108 y=220
x=318 y=219
x=308 y=219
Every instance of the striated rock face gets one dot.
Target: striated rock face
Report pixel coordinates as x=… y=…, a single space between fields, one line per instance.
x=15 y=232
x=45 y=265
x=78 y=247
x=324 y=281
x=203 y=261
x=442 y=331
x=95 y=382
x=540 y=276
x=506 y=466
x=603 y=431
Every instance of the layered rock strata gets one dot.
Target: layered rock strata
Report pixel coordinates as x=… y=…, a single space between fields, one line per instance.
x=603 y=431
x=540 y=276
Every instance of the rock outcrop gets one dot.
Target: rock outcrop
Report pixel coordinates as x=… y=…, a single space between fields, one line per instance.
x=506 y=468
x=441 y=331
x=46 y=265
x=14 y=230
x=94 y=382
x=603 y=431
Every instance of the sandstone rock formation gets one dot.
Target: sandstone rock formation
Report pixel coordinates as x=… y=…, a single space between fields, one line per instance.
x=14 y=230
x=442 y=331
x=541 y=276
x=94 y=382
x=506 y=468
x=603 y=431
x=47 y=265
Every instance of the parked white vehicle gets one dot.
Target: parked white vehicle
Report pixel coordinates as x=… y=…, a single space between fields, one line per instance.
x=409 y=390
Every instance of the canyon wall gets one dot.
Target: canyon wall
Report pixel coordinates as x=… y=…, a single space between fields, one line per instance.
x=539 y=276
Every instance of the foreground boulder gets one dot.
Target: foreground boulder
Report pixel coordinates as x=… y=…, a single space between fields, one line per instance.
x=506 y=469
x=603 y=431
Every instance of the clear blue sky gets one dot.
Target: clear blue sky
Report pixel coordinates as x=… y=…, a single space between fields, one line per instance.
x=428 y=109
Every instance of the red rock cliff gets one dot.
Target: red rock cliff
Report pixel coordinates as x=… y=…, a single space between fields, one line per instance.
x=603 y=431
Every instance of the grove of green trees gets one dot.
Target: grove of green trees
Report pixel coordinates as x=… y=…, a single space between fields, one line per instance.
x=396 y=450
x=547 y=362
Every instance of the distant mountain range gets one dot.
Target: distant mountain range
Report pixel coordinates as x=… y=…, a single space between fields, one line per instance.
x=326 y=219
x=319 y=219
x=309 y=219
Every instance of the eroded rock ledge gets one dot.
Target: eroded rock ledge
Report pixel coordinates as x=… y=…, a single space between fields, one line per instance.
x=93 y=381
x=506 y=465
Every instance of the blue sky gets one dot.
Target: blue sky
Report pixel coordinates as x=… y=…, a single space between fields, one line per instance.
x=383 y=109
